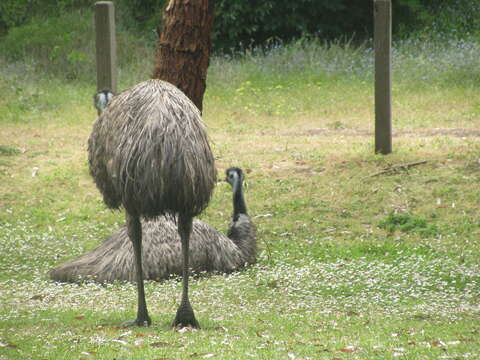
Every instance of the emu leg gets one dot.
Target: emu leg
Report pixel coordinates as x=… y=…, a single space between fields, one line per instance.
x=134 y=228
x=185 y=316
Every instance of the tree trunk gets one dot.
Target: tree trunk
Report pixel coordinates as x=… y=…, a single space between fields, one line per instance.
x=183 y=48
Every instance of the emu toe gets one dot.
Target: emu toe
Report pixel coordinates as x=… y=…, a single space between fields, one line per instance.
x=185 y=318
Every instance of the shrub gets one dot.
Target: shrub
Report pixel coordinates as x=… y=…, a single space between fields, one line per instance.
x=56 y=44
x=65 y=46
x=19 y=12
x=242 y=24
x=408 y=223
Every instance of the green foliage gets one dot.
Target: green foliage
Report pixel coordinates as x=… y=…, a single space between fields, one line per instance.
x=18 y=12
x=455 y=18
x=13 y=12
x=58 y=44
x=244 y=24
x=140 y=16
x=408 y=223
x=64 y=46
x=134 y=15
x=6 y=150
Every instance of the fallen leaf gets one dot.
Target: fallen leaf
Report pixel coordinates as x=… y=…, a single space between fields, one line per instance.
x=453 y=342
x=120 y=341
x=348 y=349
x=126 y=333
x=262 y=215
x=186 y=329
x=6 y=345
x=89 y=353
x=80 y=317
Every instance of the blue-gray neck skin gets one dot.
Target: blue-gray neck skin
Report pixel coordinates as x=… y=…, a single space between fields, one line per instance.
x=239 y=206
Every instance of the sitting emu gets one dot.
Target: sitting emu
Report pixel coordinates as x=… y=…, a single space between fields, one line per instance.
x=210 y=251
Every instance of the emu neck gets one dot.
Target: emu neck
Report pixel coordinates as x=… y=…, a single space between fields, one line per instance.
x=239 y=206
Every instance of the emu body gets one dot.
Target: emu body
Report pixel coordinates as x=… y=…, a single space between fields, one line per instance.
x=149 y=153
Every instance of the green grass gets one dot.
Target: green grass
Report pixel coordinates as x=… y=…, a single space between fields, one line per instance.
x=408 y=223
x=350 y=266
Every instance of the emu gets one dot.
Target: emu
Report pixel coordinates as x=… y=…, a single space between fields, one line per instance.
x=210 y=251
x=149 y=153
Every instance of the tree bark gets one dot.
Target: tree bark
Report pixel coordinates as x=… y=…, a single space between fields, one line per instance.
x=183 y=48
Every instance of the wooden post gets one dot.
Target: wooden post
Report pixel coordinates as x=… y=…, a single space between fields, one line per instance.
x=383 y=84
x=106 y=47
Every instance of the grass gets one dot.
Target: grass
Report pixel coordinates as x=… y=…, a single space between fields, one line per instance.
x=350 y=266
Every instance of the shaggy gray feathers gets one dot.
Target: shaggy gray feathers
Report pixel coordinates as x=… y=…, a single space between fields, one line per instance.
x=243 y=234
x=149 y=151
x=210 y=251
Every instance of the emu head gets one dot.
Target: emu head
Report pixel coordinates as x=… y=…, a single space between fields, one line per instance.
x=234 y=175
x=101 y=100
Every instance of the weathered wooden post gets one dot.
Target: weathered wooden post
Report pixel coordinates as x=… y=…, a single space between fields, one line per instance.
x=106 y=48
x=383 y=83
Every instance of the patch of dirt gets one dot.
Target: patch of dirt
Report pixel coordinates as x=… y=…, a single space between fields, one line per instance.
x=456 y=132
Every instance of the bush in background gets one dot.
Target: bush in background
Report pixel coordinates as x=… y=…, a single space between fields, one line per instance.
x=65 y=46
x=18 y=12
x=58 y=37
x=54 y=44
x=242 y=24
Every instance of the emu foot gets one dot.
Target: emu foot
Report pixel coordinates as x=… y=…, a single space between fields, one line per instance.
x=137 y=322
x=185 y=318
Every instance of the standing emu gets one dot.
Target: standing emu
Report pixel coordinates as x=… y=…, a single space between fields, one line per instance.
x=149 y=153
